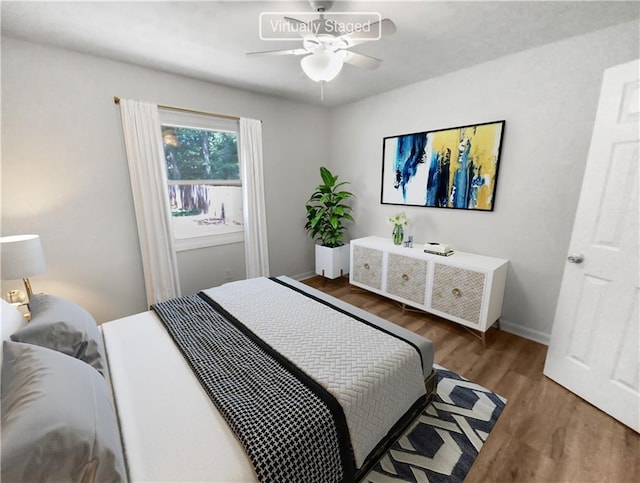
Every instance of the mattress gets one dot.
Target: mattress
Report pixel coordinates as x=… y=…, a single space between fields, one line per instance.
x=170 y=428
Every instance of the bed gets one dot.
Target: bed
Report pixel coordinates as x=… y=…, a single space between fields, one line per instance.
x=330 y=386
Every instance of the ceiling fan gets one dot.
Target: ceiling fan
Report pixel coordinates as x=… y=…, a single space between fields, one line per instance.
x=325 y=46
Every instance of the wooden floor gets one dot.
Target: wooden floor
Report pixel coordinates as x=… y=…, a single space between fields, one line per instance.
x=545 y=433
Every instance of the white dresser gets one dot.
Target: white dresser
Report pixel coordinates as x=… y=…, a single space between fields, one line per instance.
x=463 y=287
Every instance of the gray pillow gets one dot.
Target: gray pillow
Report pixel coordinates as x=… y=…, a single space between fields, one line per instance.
x=11 y=321
x=58 y=423
x=61 y=325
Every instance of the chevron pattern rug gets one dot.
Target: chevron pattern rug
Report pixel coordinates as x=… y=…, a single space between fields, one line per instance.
x=444 y=441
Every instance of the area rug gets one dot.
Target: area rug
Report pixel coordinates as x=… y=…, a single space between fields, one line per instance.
x=444 y=441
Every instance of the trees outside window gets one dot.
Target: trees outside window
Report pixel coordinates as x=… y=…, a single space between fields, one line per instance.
x=204 y=186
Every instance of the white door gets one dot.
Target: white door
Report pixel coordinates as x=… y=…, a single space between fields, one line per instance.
x=595 y=347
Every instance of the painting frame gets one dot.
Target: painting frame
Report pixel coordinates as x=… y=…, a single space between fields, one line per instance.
x=455 y=167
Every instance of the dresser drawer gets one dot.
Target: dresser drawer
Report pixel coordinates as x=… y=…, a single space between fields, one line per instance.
x=367 y=266
x=458 y=292
x=407 y=277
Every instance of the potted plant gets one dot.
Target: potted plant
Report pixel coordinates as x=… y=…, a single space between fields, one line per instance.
x=327 y=210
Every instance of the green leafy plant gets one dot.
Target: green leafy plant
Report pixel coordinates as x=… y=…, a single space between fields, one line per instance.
x=327 y=209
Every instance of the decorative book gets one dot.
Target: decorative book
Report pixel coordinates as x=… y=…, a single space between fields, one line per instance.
x=436 y=247
x=442 y=254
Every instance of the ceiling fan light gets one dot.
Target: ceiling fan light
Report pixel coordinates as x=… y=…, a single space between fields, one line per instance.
x=322 y=66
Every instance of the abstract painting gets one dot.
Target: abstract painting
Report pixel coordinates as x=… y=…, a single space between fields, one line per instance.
x=448 y=168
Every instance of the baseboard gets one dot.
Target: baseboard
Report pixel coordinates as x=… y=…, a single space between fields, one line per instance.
x=303 y=276
x=534 y=335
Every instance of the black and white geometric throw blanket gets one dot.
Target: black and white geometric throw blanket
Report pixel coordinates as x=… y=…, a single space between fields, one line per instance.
x=299 y=437
x=312 y=393
x=376 y=378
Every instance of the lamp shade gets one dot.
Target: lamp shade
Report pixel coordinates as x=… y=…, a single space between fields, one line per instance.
x=22 y=256
x=322 y=65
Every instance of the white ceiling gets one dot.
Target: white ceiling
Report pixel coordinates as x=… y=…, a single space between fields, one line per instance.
x=208 y=40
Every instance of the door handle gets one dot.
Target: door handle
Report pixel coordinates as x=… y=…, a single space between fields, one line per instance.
x=576 y=258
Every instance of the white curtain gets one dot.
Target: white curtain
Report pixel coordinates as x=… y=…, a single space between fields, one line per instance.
x=255 y=221
x=143 y=143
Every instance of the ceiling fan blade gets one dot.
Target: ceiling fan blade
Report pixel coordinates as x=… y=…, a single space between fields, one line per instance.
x=385 y=26
x=295 y=21
x=280 y=52
x=360 y=60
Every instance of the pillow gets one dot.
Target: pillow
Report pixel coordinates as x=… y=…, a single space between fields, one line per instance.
x=63 y=326
x=57 y=420
x=10 y=321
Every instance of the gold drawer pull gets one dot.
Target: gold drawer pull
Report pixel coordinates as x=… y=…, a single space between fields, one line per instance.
x=405 y=277
x=456 y=292
x=366 y=266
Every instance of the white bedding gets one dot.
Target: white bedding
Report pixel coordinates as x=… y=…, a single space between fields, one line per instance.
x=170 y=428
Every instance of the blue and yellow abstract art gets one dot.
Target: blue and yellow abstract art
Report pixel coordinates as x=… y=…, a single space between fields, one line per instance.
x=447 y=168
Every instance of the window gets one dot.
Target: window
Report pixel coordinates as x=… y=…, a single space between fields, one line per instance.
x=205 y=191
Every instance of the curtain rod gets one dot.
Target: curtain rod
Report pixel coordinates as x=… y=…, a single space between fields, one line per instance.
x=116 y=100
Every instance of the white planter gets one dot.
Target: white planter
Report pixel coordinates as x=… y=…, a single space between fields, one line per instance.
x=332 y=262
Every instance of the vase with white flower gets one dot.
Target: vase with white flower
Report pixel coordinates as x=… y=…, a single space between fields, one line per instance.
x=399 y=221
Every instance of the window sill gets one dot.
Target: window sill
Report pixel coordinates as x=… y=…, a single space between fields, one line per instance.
x=194 y=243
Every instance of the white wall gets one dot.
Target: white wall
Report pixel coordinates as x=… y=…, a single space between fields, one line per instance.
x=548 y=97
x=64 y=172
x=65 y=175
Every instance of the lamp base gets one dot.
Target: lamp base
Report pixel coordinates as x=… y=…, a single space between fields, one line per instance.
x=16 y=297
x=27 y=286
